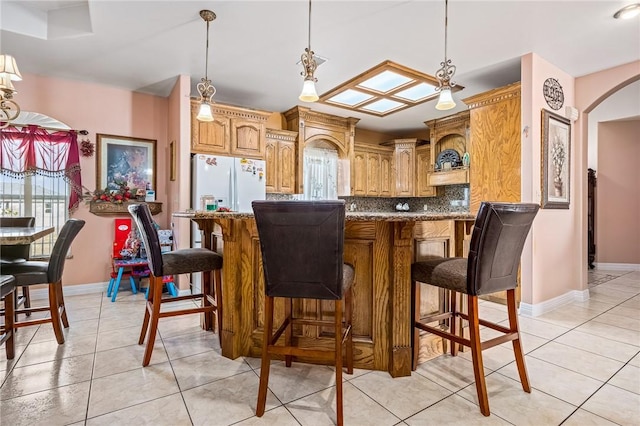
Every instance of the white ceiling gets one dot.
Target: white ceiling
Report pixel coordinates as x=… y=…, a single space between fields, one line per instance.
x=254 y=45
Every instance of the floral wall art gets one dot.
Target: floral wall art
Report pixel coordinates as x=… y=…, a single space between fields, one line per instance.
x=556 y=154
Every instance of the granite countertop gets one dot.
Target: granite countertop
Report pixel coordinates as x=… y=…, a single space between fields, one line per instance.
x=350 y=216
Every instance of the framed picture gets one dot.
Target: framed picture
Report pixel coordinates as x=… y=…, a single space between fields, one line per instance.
x=556 y=166
x=172 y=161
x=124 y=160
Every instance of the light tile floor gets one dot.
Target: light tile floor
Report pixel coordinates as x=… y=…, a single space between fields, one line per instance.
x=583 y=361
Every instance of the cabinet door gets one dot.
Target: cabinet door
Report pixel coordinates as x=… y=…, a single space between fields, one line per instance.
x=271 y=165
x=286 y=167
x=359 y=173
x=210 y=137
x=405 y=171
x=247 y=138
x=423 y=165
x=386 y=175
x=373 y=174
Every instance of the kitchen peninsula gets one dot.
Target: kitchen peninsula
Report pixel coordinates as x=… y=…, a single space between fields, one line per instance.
x=381 y=246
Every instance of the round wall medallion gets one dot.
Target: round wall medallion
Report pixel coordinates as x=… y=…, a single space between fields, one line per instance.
x=553 y=94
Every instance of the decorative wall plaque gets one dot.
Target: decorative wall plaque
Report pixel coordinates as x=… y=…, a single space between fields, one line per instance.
x=553 y=94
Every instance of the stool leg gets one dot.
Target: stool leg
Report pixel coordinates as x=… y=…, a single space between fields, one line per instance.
x=63 y=310
x=415 y=316
x=207 y=289
x=117 y=284
x=27 y=298
x=134 y=290
x=217 y=276
x=147 y=308
x=517 y=344
x=55 y=314
x=338 y=361
x=155 y=313
x=110 y=286
x=8 y=325
x=288 y=333
x=476 y=355
x=452 y=322
x=266 y=361
x=348 y=300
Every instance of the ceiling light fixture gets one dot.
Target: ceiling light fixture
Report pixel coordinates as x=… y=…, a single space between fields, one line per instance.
x=205 y=88
x=446 y=72
x=628 y=12
x=9 y=109
x=309 y=64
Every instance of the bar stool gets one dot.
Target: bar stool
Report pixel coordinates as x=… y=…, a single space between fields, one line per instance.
x=17 y=254
x=182 y=261
x=302 y=245
x=7 y=287
x=34 y=272
x=498 y=237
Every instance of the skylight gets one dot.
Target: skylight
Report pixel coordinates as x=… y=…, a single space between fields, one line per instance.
x=384 y=89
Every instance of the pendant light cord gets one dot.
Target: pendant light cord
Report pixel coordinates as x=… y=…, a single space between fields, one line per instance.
x=446 y=23
x=206 y=56
x=309 y=40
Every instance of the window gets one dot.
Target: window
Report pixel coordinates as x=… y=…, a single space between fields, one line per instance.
x=45 y=198
x=320 y=174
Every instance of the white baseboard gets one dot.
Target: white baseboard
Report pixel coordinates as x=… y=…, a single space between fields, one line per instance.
x=77 y=290
x=618 y=266
x=538 y=309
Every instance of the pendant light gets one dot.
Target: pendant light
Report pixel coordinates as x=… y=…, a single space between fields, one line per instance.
x=205 y=88
x=309 y=64
x=446 y=72
x=9 y=109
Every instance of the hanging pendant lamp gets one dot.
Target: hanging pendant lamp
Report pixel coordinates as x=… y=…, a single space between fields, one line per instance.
x=205 y=88
x=446 y=72
x=309 y=65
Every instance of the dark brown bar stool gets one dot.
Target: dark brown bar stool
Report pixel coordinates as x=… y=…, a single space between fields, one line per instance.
x=183 y=261
x=7 y=287
x=498 y=237
x=33 y=272
x=302 y=245
x=17 y=254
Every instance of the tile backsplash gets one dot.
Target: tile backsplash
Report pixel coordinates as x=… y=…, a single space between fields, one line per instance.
x=455 y=198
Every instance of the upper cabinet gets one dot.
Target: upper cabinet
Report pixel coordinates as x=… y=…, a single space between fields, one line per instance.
x=495 y=146
x=234 y=131
x=449 y=137
x=320 y=129
x=280 y=158
x=372 y=171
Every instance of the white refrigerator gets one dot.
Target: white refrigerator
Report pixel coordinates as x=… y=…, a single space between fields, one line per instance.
x=233 y=182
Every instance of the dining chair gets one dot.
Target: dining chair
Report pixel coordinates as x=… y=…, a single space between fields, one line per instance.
x=17 y=254
x=302 y=246
x=36 y=272
x=181 y=261
x=7 y=287
x=497 y=240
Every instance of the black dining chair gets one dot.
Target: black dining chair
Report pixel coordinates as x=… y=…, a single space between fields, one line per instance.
x=497 y=240
x=181 y=261
x=17 y=254
x=35 y=272
x=302 y=245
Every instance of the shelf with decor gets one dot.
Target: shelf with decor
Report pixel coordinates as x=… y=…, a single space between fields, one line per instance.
x=449 y=150
x=101 y=208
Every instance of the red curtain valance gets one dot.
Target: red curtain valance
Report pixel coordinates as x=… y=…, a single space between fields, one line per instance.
x=33 y=150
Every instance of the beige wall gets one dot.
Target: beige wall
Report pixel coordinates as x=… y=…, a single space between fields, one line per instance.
x=551 y=264
x=618 y=193
x=107 y=110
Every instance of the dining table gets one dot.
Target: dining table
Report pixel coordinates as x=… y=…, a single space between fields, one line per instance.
x=11 y=236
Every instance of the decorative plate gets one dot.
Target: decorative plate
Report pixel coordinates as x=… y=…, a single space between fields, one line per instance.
x=448 y=156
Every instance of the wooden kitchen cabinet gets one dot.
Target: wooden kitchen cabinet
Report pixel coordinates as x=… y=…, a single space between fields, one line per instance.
x=280 y=158
x=372 y=171
x=234 y=131
x=423 y=167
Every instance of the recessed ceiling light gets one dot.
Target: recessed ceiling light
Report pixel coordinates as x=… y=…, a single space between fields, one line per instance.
x=350 y=97
x=628 y=12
